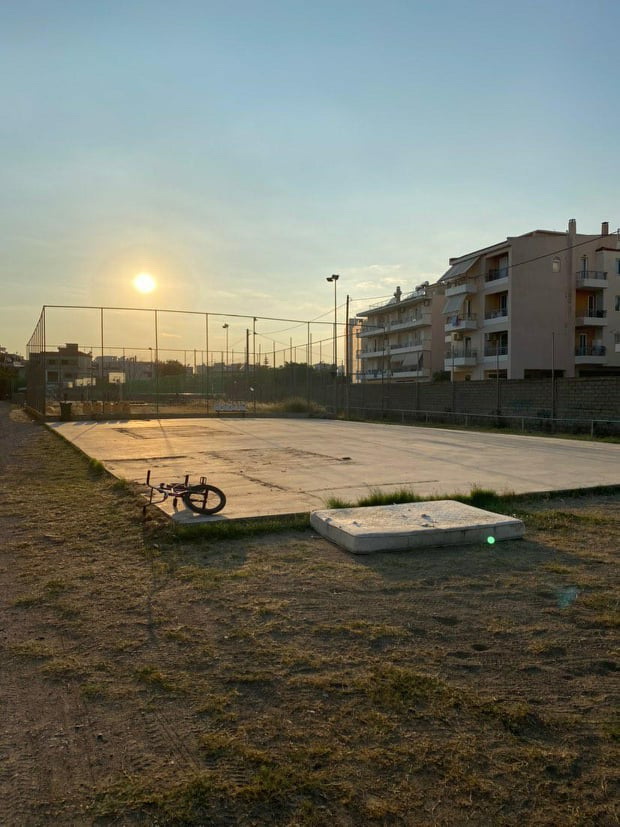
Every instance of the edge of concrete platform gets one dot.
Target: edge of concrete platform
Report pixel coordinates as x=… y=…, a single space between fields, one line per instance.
x=221 y=520
x=403 y=541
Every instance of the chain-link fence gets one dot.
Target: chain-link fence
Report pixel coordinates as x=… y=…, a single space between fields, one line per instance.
x=106 y=361
x=96 y=362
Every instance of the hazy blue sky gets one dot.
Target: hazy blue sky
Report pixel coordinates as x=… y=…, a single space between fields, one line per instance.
x=242 y=151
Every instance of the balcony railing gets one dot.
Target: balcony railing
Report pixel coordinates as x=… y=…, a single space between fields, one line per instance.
x=494 y=350
x=419 y=371
x=592 y=313
x=395 y=324
x=498 y=313
x=394 y=347
x=497 y=273
x=414 y=318
x=366 y=353
x=461 y=353
x=595 y=350
x=376 y=374
x=458 y=288
x=461 y=320
x=594 y=275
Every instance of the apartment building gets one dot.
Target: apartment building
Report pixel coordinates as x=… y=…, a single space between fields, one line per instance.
x=62 y=368
x=534 y=304
x=402 y=339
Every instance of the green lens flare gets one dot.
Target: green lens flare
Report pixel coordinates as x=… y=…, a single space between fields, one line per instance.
x=490 y=540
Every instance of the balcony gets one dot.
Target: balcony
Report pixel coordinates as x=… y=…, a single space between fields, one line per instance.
x=460 y=357
x=371 y=330
x=375 y=375
x=463 y=321
x=591 y=279
x=415 y=320
x=461 y=289
x=493 y=350
x=409 y=347
x=404 y=323
x=369 y=354
x=594 y=355
x=497 y=313
x=409 y=372
x=496 y=275
x=592 y=318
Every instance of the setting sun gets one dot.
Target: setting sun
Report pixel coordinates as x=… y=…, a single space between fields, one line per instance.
x=144 y=283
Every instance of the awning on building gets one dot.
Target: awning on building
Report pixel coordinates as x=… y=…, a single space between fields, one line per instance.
x=460 y=268
x=453 y=304
x=413 y=359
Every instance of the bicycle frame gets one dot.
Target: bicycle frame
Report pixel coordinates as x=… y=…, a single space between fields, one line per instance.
x=187 y=493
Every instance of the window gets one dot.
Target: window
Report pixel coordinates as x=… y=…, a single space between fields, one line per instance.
x=618 y=266
x=556 y=264
x=617 y=304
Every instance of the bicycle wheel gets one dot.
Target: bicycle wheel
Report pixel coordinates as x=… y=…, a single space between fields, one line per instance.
x=204 y=499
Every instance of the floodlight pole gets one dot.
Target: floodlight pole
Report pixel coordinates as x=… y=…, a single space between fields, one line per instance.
x=334 y=278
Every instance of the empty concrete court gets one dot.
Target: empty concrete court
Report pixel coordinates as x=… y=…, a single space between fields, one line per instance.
x=282 y=466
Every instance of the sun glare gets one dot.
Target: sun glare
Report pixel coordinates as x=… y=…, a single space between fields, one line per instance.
x=144 y=283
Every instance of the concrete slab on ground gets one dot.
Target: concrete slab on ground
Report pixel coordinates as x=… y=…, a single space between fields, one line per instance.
x=269 y=466
x=412 y=526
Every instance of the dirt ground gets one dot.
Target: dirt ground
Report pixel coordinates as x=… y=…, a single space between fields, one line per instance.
x=275 y=679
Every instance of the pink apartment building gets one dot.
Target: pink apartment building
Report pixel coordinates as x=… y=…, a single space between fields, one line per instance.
x=532 y=304
x=540 y=303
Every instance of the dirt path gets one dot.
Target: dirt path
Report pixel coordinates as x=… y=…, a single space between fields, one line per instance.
x=64 y=534
x=277 y=680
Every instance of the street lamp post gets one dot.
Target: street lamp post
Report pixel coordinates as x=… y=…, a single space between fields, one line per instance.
x=225 y=326
x=334 y=278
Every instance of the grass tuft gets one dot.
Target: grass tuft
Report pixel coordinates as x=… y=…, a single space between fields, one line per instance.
x=484 y=498
x=96 y=467
x=154 y=678
x=399 y=688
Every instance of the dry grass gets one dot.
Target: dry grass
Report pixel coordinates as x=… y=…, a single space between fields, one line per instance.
x=277 y=680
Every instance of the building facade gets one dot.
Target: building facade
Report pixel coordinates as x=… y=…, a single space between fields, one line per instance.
x=532 y=305
x=537 y=305
x=401 y=340
x=63 y=368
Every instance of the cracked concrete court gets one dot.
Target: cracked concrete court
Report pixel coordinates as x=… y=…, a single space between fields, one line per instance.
x=280 y=466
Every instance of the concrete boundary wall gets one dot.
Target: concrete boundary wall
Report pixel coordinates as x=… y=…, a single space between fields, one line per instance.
x=597 y=398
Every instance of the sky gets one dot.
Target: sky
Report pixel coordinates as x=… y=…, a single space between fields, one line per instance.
x=241 y=152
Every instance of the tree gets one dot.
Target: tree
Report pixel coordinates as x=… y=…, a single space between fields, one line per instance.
x=170 y=368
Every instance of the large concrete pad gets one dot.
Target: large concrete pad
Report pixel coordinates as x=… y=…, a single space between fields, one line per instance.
x=281 y=466
x=411 y=526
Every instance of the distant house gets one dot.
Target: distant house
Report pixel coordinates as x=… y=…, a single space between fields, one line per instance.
x=63 y=367
x=12 y=373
